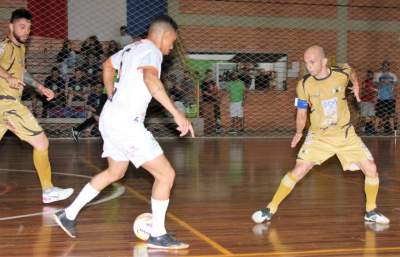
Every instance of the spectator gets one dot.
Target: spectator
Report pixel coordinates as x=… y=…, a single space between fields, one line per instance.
x=94 y=105
x=112 y=48
x=263 y=79
x=187 y=86
x=91 y=46
x=92 y=67
x=124 y=38
x=175 y=91
x=385 y=108
x=210 y=95
x=78 y=87
x=66 y=58
x=236 y=89
x=367 y=104
x=56 y=83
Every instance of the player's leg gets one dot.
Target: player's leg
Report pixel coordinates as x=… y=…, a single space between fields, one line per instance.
x=164 y=176
x=371 y=188
x=315 y=150
x=21 y=122
x=354 y=155
x=286 y=186
x=66 y=218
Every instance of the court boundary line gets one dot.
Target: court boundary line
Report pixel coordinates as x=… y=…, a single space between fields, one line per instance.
x=203 y=237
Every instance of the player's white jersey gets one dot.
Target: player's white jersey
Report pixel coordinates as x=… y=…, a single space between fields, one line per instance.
x=131 y=95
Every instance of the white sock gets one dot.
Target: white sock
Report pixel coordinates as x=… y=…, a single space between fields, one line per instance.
x=86 y=195
x=159 y=209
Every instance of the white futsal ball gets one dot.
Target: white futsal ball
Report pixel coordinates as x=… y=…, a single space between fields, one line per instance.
x=142 y=226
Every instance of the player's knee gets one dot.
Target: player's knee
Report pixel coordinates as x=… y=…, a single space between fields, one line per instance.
x=41 y=143
x=370 y=170
x=300 y=170
x=115 y=174
x=167 y=177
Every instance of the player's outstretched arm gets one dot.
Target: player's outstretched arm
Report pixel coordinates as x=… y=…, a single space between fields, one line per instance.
x=157 y=90
x=356 y=84
x=301 y=119
x=41 y=89
x=108 y=77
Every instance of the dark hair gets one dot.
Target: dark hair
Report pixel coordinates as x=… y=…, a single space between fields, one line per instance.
x=123 y=27
x=54 y=69
x=165 y=19
x=20 y=14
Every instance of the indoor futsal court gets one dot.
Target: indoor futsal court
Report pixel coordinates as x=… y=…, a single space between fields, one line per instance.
x=219 y=183
x=270 y=87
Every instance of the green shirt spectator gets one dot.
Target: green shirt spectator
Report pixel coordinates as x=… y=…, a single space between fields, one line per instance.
x=236 y=89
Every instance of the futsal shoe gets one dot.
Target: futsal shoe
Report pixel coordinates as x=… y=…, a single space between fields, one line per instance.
x=376 y=227
x=54 y=194
x=166 y=241
x=63 y=222
x=75 y=134
x=262 y=215
x=376 y=216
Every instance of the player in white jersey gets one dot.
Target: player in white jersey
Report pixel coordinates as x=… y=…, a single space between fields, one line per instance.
x=125 y=137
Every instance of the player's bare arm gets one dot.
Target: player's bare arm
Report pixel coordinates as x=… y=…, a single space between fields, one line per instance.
x=356 y=85
x=301 y=119
x=157 y=90
x=12 y=81
x=108 y=77
x=40 y=88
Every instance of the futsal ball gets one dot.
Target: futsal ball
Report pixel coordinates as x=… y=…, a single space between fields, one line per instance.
x=142 y=226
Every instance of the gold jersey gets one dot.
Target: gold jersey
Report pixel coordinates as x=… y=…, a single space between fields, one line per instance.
x=326 y=99
x=12 y=60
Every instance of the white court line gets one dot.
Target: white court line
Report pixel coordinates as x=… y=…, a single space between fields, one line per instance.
x=117 y=191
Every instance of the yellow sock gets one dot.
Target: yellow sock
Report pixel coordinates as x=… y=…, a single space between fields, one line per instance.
x=42 y=165
x=287 y=184
x=371 y=187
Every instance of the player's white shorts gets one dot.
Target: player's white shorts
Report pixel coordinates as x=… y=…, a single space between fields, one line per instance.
x=236 y=109
x=132 y=143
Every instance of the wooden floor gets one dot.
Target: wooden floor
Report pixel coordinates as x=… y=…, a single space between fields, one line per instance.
x=219 y=183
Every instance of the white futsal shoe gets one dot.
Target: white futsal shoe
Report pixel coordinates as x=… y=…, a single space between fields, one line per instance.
x=262 y=215
x=55 y=194
x=376 y=216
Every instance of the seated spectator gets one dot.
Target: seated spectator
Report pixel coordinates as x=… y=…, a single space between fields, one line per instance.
x=78 y=87
x=94 y=105
x=67 y=59
x=56 y=83
x=124 y=38
x=112 y=48
x=91 y=46
x=92 y=67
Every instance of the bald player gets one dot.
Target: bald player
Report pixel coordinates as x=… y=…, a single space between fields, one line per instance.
x=15 y=116
x=125 y=137
x=322 y=92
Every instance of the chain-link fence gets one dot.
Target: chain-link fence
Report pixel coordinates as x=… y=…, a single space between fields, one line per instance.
x=235 y=66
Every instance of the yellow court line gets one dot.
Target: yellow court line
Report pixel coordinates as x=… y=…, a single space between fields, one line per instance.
x=293 y=253
x=196 y=232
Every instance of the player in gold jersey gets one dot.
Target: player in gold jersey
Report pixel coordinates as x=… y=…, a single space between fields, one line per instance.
x=14 y=115
x=330 y=133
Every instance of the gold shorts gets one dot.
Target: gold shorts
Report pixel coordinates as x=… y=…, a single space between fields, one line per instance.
x=17 y=118
x=349 y=148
